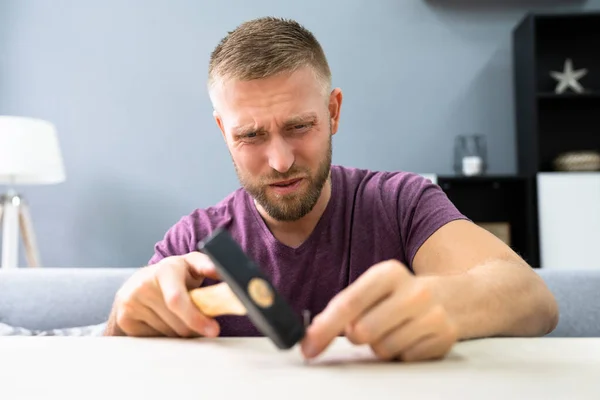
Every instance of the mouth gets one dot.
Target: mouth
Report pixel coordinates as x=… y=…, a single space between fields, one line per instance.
x=286 y=187
x=289 y=182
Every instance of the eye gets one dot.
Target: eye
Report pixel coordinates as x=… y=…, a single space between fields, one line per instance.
x=301 y=127
x=251 y=137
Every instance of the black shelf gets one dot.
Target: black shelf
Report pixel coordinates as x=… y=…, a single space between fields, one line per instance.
x=502 y=199
x=569 y=96
x=549 y=124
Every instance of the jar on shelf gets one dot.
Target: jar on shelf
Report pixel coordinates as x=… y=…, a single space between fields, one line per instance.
x=470 y=155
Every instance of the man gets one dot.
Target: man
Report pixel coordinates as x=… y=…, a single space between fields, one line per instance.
x=383 y=258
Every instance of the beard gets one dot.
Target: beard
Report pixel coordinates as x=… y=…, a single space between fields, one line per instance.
x=293 y=206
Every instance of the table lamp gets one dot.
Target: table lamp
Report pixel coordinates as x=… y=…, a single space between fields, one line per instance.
x=29 y=155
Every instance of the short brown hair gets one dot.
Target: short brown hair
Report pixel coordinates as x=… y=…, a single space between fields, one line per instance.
x=265 y=47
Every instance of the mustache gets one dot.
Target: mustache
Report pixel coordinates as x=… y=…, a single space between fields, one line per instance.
x=292 y=173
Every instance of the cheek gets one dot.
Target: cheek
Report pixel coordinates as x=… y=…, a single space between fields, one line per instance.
x=315 y=148
x=248 y=159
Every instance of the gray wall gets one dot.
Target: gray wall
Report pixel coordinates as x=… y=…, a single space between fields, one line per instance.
x=124 y=82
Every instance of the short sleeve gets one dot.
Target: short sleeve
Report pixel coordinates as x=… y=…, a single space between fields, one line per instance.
x=422 y=208
x=176 y=241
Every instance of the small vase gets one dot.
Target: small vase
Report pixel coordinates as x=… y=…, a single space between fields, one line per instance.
x=470 y=155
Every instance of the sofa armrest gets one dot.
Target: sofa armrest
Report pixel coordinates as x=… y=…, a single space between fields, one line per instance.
x=55 y=298
x=578 y=295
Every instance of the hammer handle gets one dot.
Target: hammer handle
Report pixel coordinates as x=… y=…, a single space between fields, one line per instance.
x=216 y=300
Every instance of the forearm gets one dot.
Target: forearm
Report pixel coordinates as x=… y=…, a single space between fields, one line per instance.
x=497 y=299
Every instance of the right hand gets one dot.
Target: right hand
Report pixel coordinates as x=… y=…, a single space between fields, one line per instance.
x=155 y=300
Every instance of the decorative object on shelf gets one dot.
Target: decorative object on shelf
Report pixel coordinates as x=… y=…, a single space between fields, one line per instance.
x=29 y=154
x=578 y=161
x=569 y=78
x=470 y=155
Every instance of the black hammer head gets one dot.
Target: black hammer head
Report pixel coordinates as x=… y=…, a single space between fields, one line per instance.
x=267 y=310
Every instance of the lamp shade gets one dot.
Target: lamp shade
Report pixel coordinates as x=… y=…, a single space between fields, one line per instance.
x=29 y=152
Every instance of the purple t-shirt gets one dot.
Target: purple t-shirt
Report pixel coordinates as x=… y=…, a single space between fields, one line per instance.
x=371 y=217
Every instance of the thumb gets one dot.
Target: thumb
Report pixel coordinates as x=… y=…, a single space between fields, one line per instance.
x=200 y=266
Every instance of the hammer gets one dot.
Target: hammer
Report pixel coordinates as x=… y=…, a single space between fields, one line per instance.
x=246 y=290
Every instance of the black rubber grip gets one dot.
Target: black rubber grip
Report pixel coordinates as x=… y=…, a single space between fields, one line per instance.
x=267 y=310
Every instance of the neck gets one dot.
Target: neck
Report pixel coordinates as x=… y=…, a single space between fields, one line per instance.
x=294 y=233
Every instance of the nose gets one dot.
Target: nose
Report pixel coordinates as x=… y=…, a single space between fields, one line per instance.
x=281 y=154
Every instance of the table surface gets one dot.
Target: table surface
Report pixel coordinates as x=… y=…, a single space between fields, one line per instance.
x=245 y=368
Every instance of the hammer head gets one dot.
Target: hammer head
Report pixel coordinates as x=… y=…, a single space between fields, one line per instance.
x=267 y=310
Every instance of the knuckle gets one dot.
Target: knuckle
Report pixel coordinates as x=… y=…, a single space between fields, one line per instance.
x=423 y=294
x=126 y=326
x=167 y=264
x=352 y=338
x=438 y=314
x=124 y=319
x=126 y=305
x=173 y=300
x=382 y=352
x=128 y=309
x=345 y=304
x=392 y=268
x=361 y=333
x=418 y=295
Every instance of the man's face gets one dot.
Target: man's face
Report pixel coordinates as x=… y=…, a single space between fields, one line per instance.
x=278 y=131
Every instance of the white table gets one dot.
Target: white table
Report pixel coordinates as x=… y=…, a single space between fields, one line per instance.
x=169 y=369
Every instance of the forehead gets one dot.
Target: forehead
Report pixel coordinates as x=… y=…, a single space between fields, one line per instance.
x=284 y=96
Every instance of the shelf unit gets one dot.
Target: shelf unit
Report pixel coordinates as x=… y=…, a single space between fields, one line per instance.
x=565 y=209
x=547 y=123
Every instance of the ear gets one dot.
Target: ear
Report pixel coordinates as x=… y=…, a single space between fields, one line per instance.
x=219 y=122
x=335 y=106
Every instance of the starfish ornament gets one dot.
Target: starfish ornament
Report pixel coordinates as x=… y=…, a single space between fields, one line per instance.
x=568 y=78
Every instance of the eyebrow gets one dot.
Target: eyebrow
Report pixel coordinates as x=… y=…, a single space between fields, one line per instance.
x=294 y=120
x=305 y=117
x=243 y=129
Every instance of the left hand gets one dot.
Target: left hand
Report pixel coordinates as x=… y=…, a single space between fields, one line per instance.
x=392 y=311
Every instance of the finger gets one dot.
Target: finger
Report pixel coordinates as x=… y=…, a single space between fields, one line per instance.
x=136 y=326
x=154 y=321
x=163 y=320
x=139 y=329
x=431 y=348
x=394 y=311
x=403 y=338
x=171 y=281
x=376 y=283
x=201 y=266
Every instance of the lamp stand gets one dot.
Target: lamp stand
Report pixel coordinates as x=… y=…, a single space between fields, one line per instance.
x=14 y=214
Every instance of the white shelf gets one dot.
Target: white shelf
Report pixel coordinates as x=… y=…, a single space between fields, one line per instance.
x=569 y=220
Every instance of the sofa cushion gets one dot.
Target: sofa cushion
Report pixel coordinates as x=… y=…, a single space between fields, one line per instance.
x=93 y=330
x=58 y=298
x=578 y=295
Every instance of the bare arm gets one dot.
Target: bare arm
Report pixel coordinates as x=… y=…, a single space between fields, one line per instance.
x=486 y=288
x=467 y=284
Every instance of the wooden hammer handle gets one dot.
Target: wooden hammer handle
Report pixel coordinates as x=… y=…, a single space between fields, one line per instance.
x=217 y=300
